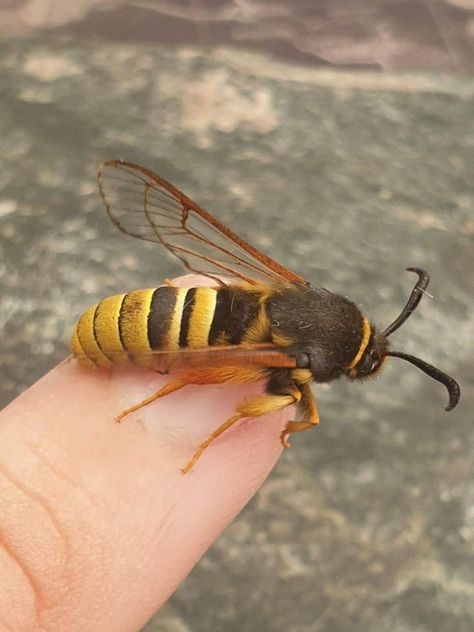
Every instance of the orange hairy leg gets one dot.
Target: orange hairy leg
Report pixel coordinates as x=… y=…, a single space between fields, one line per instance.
x=257 y=407
x=221 y=375
x=310 y=419
x=166 y=390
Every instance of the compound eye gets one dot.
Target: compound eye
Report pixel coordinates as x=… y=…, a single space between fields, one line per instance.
x=368 y=365
x=303 y=361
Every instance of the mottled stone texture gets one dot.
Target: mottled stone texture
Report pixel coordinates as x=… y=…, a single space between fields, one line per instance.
x=367 y=524
x=389 y=34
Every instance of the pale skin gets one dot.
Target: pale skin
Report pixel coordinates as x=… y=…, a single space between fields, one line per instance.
x=98 y=525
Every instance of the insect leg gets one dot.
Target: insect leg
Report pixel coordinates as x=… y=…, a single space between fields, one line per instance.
x=221 y=375
x=262 y=405
x=307 y=405
x=166 y=390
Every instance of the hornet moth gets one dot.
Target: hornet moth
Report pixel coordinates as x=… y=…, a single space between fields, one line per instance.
x=265 y=323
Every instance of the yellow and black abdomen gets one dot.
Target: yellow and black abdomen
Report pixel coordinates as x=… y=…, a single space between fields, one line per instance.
x=126 y=327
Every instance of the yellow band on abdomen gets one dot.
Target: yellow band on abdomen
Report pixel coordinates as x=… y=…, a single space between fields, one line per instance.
x=171 y=340
x=87 y=340
x=201 y=318
x=133 y=320
x=106 y=326
x=78 y=352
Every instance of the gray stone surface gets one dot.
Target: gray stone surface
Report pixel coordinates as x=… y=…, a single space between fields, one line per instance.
x=393 y=35
x=367 y=524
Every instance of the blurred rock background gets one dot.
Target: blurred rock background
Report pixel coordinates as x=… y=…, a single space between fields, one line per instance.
x=394 y=35
x=339 y=138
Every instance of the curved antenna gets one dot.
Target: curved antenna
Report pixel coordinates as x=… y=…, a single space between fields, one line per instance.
x=450 y=383
x=414 y=299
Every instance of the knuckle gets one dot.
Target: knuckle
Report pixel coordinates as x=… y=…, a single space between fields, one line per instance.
x=33 y=542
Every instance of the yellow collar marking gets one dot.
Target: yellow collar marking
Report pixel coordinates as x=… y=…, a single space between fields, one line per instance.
x=367 y=330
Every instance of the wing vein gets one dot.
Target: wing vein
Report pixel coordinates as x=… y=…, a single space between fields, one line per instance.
x=202 y=243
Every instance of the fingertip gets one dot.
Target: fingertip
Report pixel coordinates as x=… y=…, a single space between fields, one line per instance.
x=151 y=521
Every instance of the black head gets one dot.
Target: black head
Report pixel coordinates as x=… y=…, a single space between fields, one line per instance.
x=377 y=346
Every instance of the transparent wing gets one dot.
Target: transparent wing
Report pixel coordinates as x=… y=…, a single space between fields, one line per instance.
x=143 y=205
x=263 y=355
